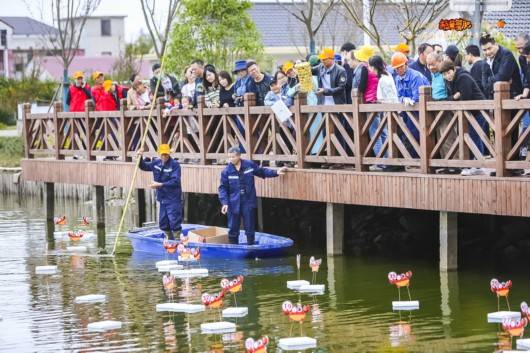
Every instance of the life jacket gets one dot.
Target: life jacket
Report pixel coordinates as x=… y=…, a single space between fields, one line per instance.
x=78 y=97
x=104 y=100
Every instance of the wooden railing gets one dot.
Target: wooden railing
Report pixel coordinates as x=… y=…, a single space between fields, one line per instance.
x=428 y=136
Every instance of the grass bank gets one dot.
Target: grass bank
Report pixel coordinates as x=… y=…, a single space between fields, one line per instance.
x=11 y=151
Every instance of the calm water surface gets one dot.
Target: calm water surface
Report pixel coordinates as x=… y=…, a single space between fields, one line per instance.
x=38 y=313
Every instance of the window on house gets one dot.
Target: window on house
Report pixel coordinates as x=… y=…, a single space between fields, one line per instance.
x=105 y=28
x=106 y=53
x=3 y=37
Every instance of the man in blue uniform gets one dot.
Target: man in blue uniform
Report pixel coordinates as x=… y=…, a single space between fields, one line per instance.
x=237 y=193
x=166 y=175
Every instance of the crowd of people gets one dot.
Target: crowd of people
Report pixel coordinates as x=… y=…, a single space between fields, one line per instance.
x=452 y=75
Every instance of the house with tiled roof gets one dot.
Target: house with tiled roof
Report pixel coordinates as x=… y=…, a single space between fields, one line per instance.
x=517 y=19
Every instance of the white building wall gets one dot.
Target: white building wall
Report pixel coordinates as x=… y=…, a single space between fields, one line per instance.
x=94 y=44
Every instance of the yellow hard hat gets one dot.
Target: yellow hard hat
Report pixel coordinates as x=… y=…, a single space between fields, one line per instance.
x=164 y=149
x=106 y=85
x=78 y=74
x=288 y=65
x=402 y=48
x=364 y=53
x=327 y=53
x=96 y=74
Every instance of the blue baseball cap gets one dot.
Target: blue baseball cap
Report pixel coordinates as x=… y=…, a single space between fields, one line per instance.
x=337 y=57
x=240 y=65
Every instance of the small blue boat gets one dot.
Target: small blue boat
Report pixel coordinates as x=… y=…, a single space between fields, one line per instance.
x=151 y=239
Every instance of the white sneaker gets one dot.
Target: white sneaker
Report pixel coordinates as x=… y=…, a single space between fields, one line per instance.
x=473 y=171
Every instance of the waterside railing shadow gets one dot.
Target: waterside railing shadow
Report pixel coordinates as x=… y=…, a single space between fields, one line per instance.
x=426 y=136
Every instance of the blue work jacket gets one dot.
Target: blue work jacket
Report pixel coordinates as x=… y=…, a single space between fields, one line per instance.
x=408 y=85
x=237 y=188
x=169 y=175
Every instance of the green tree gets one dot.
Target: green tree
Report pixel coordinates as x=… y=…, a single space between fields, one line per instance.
x=217 y=31
x=129 y=61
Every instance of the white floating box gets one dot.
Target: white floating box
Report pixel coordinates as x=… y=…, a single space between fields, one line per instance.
x=235 y=312
x=406 y=305
x=523 y=343
x=499 y=316
x=218 y=327
x=297 y=343
x=104 y=326
x=312 y=288
x=91 y=298
x=166 y=263
x=46 y=270
x=76 y=248
x=297 y=284
x=180 y=308
x=194 y=272
x=169 y=268
x=187 y=259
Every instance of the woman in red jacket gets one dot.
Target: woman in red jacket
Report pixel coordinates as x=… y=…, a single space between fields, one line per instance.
x=78 y=93
x=102 y=97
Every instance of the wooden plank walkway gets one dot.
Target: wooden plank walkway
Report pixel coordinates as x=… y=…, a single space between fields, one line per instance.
x=483 y=195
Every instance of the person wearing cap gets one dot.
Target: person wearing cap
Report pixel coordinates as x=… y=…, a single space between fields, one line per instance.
x=167 y=183
x=462 y=87
x=101 y=93
x=168 y=84
x=240 y=86
x=453 y=53
x=78 y=93
x=237 y=193
x=408 y=84
x=346 y=51
x=331 y=79
x=405 y=49
x=366 y=81
x=420 y=64
x=288 y=70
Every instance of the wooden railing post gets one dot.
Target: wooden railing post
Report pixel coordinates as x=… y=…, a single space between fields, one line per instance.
x=89 y=107
x=360 y=140
x=57 y=108
x=427 y=141
x=204 y=138
x=249 y=100
x=26 y=127
x=300 y=121
x=162 y=138
x=124 y=137
x=501 y=91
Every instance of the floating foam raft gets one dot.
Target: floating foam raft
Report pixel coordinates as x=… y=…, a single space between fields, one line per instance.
x=151 y=240
x=297 y=343
x=235 y=312
x=190 y=273
x=180 y=308
x=101 y=326
x=499 y=316
x=523 y=343
x=218 y=327
x=405 y=305
x=312 y=288
x=90 y=298
x=46 y=270
x=297 y=284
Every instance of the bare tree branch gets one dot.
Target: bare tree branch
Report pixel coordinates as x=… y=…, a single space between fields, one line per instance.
x=159 y=30
x=306 y=12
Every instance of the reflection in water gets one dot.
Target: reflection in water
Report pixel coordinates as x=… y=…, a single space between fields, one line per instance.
x=354 y=314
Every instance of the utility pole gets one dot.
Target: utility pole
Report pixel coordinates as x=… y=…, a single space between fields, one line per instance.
x=366 y=21
x=477 y=22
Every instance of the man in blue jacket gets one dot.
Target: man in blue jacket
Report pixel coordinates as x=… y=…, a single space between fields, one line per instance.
x=166 y=175
x=237 y=193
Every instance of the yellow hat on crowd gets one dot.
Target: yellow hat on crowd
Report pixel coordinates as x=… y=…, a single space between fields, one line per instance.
x=96 y=74
x=164 y=149
x=402 y=48
x=327 y=53
x=78 y=74
x=364 y=53
x=106 y=85
x=288 y=65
